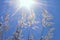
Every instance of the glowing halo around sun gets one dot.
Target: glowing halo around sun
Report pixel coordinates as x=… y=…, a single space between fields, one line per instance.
x=25 y=3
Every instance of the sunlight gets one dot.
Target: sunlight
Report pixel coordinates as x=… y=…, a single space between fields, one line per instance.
x=25 y=3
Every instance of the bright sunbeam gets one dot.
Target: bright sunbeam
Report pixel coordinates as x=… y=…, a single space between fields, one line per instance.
x=25 y=3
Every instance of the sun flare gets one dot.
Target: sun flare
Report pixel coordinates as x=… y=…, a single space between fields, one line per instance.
x=25 y=3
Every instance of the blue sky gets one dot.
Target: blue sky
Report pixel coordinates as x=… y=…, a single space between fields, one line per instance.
x=53 y=6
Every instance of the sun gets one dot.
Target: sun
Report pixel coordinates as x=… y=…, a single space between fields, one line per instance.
x=25 y=3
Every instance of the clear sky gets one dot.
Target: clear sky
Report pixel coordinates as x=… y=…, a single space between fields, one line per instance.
x=53 y=7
